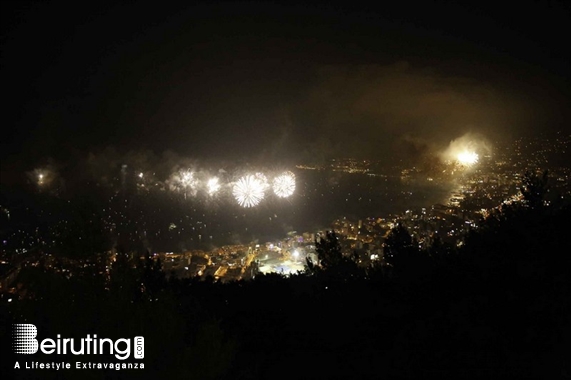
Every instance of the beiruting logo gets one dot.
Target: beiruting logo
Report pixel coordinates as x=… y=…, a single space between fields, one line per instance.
x=25 y=342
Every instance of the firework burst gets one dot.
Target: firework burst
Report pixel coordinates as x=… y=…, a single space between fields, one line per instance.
x=249 y=191
x=284 y=185
x=213 y=185
x=184 y=181
x=467 y=158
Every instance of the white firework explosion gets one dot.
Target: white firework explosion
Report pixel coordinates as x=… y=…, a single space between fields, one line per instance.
x=249 y=191
x=468 y=158
x=284 y=185
x=213 y=185
x=184 y=181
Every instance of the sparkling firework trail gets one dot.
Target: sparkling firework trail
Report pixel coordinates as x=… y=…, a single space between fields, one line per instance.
x=249 y=191
x=284 y=185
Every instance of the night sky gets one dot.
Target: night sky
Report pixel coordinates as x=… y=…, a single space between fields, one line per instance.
x=260 y=82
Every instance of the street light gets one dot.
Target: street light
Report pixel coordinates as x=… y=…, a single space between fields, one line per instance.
x=295 y=254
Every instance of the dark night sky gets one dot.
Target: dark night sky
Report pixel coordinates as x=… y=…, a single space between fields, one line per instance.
x=261 y=81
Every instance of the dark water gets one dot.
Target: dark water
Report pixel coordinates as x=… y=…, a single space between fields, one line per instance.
x=161 y=220
x=320 y=198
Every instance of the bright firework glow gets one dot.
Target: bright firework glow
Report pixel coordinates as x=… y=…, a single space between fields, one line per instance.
x=284 y=185
x=42 y=177
x=184 y=181
x=187 y=179
x=249 y=191
x=465 y=151
x=468 y=158
x=213 y=185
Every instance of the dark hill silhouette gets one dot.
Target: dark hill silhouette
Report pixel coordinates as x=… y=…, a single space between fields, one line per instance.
x=498 y=307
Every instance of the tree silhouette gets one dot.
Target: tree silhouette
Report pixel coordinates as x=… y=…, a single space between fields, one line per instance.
x=440 y=251
x=526 y=238
x=404 y=258
x=534 y=188
x=211 y=353
x=328 y=250
x=331 y=260
x=398 y=246
x=124 y=276
x=153 y=279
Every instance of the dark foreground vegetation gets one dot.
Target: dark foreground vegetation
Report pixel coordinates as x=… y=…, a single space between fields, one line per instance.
x=497 y=307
